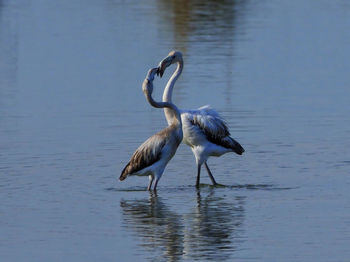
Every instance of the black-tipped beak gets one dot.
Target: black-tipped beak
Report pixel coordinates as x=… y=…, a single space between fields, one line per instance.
x=163 y=65
x=161 y=72
x=158 y=71
x=161 y=69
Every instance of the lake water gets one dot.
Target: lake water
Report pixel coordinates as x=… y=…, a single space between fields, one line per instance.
x=72 y=113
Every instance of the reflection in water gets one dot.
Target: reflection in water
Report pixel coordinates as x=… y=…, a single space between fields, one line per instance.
x=160 y=228
x=210 y=21
x=214 y=227
x=211 y=231
x=209 y=29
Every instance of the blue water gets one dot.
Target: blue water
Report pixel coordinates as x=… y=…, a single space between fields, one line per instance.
x=72 y=112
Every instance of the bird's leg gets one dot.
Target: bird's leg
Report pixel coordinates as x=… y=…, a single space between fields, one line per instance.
x=155 y=184
x=198 y=174
x=150 y=182
x=210 y=174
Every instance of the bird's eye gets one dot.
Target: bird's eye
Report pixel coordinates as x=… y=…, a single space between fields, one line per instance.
x=173 y=57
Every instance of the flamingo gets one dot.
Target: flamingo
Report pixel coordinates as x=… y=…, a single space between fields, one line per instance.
x=154 y=154
x=204 y=130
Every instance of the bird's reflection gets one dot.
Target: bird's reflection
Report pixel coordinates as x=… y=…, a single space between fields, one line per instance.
x=214 y=228
x=160 y=228
x=209 y=230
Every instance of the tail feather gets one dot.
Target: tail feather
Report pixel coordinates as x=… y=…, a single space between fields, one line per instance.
x=237 y=148
x=124 y=173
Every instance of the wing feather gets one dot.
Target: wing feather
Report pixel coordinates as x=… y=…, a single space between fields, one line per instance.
x=214 y=128
x=146 y=155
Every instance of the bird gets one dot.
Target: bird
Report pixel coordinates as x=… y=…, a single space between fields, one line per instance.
x=204 y=130
x=151 y=158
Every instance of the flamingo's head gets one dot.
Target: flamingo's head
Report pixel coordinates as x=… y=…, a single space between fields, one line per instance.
x=172 y=57
x=147 y=85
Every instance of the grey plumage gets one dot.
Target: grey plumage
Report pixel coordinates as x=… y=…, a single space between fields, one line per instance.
x=151 y=158
x=221 y=136
x=148 y=153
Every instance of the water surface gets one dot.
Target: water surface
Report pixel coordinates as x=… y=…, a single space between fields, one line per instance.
x=72 y=112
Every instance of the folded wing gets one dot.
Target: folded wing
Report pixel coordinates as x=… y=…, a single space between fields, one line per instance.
x=146 y=155
x=214 y=128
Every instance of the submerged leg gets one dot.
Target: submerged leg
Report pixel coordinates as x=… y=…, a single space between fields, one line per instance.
x=210 y=174
x=150 y=182
x=198 y=174
x=155 y=184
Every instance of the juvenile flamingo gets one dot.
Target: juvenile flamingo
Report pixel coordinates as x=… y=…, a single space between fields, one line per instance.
x=151 y=158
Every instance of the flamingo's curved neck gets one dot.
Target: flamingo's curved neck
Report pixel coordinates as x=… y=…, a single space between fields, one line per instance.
x=168 y=91
x=175 y=113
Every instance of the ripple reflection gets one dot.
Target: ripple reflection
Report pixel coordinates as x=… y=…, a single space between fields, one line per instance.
x=160 y=228
x=209 y=229
x=214 y=227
